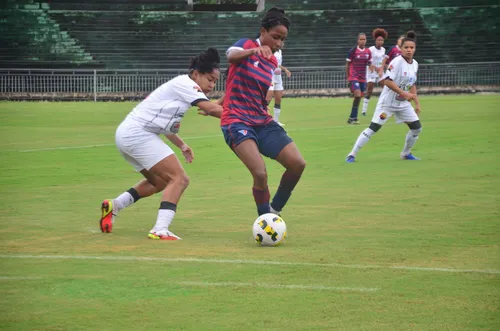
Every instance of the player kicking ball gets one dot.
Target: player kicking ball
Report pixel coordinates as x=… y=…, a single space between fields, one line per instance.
x=399 y=90
x=138 y=140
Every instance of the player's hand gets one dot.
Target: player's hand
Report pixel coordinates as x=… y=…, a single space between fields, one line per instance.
x=381 y=72
x=417 y=110
x=188 y=153
x=264 y=51
x=202 y=112
x=288 y=73
x=408 y=96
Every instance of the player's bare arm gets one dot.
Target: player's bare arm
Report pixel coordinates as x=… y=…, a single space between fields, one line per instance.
x=413 y=90
x=347 y=69
x=288 y=72
x=382 y=66
x=185 y=149
x=236 y=55
x=209 y=108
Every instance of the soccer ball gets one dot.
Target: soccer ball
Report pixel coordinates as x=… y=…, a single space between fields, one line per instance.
x=269 y=230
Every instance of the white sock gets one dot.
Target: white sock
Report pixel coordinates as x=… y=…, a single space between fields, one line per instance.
x=411 y=139
x=124 y=200
x=365 y=105
x=165 y=217
x=277 y=112
x=363 y=138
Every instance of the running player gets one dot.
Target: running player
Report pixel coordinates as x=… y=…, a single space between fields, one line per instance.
x=358 y=59
x=399 y=89
x=276 y=88
x=138 y=140
x=378 y=54
x=248 y=128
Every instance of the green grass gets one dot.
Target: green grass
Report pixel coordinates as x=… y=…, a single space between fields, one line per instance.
x=350 y=226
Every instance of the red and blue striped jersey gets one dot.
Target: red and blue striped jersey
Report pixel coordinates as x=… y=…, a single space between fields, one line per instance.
x=359 y=59
x=246 y=87
x=393 y=52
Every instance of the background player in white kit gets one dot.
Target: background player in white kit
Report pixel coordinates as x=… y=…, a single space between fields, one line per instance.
x=138 y=140
x=374 y=76
x=399 y=89
x=276 y=88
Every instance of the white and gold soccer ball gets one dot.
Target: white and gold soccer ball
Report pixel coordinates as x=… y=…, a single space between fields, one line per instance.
x=269 y=230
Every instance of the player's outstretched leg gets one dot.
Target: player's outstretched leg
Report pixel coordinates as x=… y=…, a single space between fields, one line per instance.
x=363 y=138
x=111 y=207
x=410 y=140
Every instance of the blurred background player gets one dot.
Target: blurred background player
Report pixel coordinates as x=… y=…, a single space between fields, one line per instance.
x=138 y=140
x=373 y=76
x=357 y=60
x=392 y=53
x=248 y=128
x=399 y=89
x=276 y=88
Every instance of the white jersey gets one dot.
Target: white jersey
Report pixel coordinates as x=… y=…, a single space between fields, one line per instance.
x=279 y=56
x=377 y=55
x=163 y=110
x=402 y=73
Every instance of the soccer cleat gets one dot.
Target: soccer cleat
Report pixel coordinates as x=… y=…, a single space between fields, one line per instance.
x=363 y=113
x=107 y=217
x=353 y=121
x=410 y=157
x=350 y=159
x=163 y=235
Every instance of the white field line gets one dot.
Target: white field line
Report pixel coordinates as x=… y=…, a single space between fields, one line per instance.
x=253 y=262
x=281 y=286
x=184 y=138
x=19 y=278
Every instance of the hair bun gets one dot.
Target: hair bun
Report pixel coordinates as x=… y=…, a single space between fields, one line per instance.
x=411 y=34
x=276 y=9
x=212 y=55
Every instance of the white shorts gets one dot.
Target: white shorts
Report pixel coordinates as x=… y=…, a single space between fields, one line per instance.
x=372 y=77
x=277 y=83
x=142 y=149
x=402 y=114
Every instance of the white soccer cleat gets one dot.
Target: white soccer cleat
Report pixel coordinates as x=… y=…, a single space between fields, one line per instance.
x=163 y=235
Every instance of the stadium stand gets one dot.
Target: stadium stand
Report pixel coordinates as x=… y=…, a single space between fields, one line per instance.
x=154 y=34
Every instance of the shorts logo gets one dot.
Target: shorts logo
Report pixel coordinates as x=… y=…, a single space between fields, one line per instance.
x=383 y=116
x=404 y=73
x=243 y=132
x=357 y=84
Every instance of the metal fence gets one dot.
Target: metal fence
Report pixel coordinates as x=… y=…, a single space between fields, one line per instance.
x=126 y=84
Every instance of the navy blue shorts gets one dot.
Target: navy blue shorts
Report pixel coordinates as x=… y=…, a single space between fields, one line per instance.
x=270 y=138
x=355 y=85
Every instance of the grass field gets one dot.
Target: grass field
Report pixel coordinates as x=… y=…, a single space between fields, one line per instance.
x=381 y=244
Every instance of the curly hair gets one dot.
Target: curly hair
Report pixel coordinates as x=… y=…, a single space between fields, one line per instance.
x=206 y=61
x=379 y=32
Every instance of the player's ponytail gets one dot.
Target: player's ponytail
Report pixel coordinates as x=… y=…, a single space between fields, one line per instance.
x=274 y=17
x=206 y=61
x=410 y=36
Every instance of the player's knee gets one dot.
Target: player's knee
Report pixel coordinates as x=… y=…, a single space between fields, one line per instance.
x=259 y=175
x=415 y=125
x=299 y=166
x=374 y=127
x=182 y=180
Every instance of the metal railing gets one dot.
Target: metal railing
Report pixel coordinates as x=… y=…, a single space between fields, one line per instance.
x=101 y=84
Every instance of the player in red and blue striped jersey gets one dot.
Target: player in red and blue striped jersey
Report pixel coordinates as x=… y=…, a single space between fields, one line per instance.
x=392 y=52
x=358 y=58
x=248 y=128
